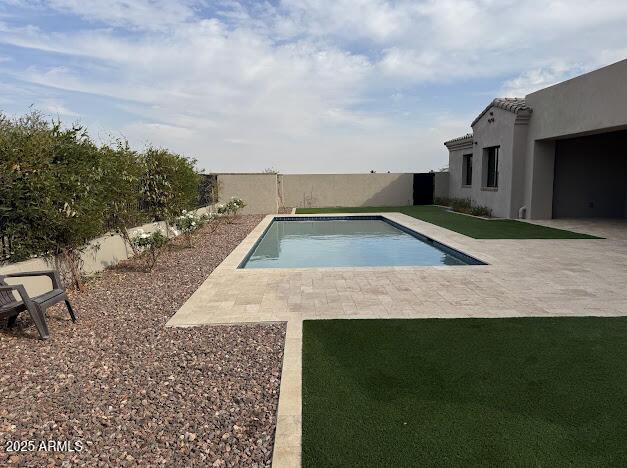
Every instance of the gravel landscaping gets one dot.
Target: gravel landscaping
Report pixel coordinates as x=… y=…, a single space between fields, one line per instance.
x=133 y=392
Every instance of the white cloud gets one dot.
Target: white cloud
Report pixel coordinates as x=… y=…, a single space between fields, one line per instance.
x=374 y=20
x=538 y=78
x=139 y=14
x=556 y=72
x=56 y=108
x=298 y=84
x=433 y=40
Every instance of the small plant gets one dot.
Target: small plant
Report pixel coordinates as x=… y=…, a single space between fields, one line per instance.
x=230 y=210
x=464 y=205
x=235 y=205
x=150 y=245
x=188 y=223
x=481 y=211
x=443 y=201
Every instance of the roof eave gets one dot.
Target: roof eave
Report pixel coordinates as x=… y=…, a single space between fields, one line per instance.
x=461 y=142
x=505 y=104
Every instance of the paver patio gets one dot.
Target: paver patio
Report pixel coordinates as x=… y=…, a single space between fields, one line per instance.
x=523 y=278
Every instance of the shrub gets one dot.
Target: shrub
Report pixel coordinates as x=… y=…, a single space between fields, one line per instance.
x=444 y=201
x=464 y=205
x=169 y=184
x=235 y=204
x=123 y=202
x=481 y=211
x=188 y=223
x=150 y=245
x=461 y=204
x=53 y=191
x=59 y=190
x=230 y=209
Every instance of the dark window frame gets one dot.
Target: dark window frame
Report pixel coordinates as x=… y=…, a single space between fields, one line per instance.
x=491 y=160
x=467 y=170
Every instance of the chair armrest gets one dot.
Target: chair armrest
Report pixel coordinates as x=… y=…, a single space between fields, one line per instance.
x=52 y=274
x=21 y=290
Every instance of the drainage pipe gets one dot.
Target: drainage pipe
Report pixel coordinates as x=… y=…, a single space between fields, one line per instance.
x=522 y=212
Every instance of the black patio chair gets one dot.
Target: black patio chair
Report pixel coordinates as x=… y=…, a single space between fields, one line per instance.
x=36 y=306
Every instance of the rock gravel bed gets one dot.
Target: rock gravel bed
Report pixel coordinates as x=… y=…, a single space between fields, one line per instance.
x=133 y=392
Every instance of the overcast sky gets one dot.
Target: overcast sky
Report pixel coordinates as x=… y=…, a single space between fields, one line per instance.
x=298 y=85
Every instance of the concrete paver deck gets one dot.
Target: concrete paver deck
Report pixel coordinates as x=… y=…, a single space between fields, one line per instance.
x=524 y=278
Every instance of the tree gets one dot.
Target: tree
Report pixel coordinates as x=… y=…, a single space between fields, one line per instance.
x=169 y=184
x=123 y=174
x=59 y=190
x=52 y=196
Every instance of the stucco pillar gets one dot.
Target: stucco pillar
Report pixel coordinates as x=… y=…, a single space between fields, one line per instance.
x=543 y=158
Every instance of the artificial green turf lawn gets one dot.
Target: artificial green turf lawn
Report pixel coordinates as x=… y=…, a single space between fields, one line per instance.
x=466 y=392
x=467 y=225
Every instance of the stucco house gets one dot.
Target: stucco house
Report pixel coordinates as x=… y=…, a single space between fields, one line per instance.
x=560 y=152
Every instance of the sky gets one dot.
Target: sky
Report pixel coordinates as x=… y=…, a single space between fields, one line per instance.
x=299 y=86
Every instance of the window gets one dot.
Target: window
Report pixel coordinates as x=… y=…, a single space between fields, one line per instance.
x=467 y=170
x=491 y=162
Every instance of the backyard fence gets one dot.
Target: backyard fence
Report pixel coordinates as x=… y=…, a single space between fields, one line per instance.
x=270 y=193
x=100 y=253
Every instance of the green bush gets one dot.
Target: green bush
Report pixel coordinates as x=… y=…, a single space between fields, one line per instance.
x=464 y=205
x=169 y=184
x=461 y=204
x=481 y=211
x=59 y=190
x=53 y=196
x=124 y=173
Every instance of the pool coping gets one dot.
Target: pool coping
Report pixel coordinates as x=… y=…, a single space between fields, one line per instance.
x=469 y=260
x=237 y=256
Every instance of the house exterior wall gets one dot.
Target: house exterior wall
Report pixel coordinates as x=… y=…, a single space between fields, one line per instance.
x=588 y=104
x=440 y=185
x=504 y=129
x=494 y=128
x=519 y=166
x=457 y=189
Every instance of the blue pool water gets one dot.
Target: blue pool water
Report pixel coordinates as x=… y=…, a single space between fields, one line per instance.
x=347 y=242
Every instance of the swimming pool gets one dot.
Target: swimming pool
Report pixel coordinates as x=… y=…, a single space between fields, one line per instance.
x=355 y=241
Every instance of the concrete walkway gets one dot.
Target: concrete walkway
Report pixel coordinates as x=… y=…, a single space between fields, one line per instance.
x=524 y=278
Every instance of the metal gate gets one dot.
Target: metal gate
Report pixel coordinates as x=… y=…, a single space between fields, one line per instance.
x=423 y=188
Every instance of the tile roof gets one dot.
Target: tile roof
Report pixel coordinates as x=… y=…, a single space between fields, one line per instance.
x=514 y=105
x=467 y=136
